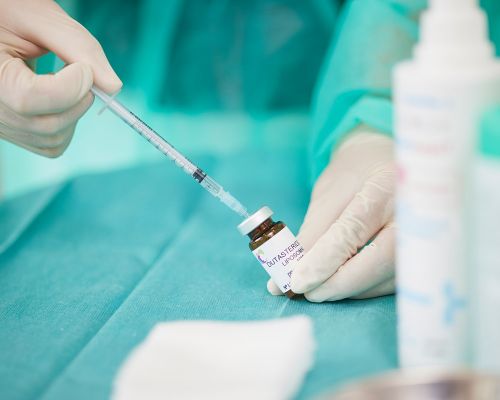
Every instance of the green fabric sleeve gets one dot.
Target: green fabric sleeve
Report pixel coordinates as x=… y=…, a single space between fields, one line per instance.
x=355 y=83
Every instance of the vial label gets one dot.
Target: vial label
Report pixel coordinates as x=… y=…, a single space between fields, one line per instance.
x=278 y=255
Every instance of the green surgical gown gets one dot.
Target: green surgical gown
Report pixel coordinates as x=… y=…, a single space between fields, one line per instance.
x=327 y=61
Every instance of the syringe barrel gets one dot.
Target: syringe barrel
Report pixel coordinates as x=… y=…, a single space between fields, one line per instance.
x=146 y=132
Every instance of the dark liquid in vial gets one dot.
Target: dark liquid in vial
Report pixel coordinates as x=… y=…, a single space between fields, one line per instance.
x=262 y=234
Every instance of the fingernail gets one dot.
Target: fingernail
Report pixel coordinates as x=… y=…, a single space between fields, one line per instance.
x=297 y=284
x=108 y=80
x=114 y=85
x=271 y=288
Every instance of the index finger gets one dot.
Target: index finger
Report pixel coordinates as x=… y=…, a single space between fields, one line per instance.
x=47 y=25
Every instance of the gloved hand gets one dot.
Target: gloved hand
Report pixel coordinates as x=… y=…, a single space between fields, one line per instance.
x=348 y=231
x=39 y=112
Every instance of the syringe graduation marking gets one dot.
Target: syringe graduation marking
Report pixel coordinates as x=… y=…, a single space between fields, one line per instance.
x=166 y=148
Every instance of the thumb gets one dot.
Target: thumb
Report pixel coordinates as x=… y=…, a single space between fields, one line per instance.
x=51 y=28
x=26 y=93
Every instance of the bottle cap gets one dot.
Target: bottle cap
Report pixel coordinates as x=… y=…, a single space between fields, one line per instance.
x=254 y=220
x=489 y=138
x=454 y=32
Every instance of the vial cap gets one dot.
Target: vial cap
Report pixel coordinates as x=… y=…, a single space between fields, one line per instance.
x=254 y=220
x=489 y=138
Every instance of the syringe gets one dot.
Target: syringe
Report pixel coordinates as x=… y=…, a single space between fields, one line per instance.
x=166 y=148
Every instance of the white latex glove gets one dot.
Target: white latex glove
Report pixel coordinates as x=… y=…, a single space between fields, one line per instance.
x=351 y=204
x=39 y=112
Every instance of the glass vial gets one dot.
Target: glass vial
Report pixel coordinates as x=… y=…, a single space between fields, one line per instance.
x=274 y=246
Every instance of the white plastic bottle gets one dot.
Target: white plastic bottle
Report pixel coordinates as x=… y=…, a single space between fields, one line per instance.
x=439 y=96
x=485 y=271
